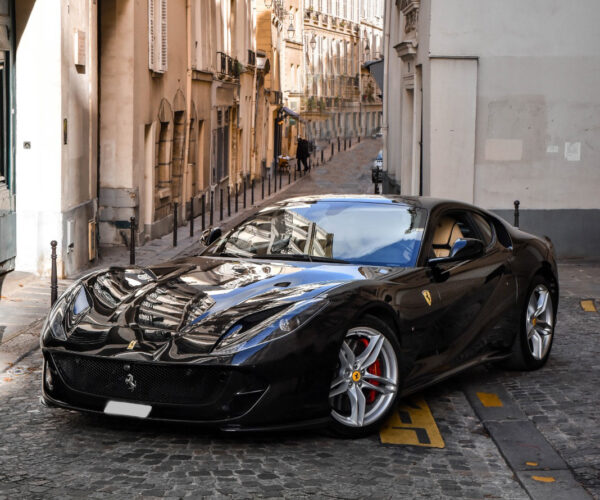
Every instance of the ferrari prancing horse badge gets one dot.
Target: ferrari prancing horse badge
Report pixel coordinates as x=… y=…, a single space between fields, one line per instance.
x=427 y=296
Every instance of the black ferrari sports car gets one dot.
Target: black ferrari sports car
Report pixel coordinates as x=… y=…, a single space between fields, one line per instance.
x=318 y=310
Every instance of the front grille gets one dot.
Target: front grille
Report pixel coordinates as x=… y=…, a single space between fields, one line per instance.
x=153 y=382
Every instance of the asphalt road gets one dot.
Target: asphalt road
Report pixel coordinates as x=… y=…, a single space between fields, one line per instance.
x=537 y=437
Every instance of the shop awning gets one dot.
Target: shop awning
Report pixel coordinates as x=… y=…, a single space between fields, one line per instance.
x=289 y=112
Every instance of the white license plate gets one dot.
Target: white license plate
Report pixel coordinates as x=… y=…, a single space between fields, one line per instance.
x=127 y=409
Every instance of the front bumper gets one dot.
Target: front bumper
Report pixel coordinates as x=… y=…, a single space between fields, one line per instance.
x=283 y=384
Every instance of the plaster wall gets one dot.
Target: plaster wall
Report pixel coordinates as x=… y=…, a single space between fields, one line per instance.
x=38 y=169
x=537 y=97
x=56 y=119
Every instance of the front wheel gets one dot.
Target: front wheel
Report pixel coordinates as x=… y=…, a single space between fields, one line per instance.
x=532 y=345
x=366 y=380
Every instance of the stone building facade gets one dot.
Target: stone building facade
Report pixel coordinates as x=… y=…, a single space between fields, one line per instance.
x=490 y=102
x=339 y=37
x=177 y=120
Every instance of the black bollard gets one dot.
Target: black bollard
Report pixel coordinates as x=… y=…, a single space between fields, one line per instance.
x=275 y=180
x=203 y=212
x=244 y=193
x=322 y=156
x=175 y=210
x=517 y=203
x=262 y=187
x=221 y=204
x=280 y=175
x=53 y=277
x=358 y=139
x=252 y=191
x=191 y=216
x=339 y=145
x=289 y=176
x=331 y=151
x=236 y=198
x=132 y=241
x=269 y=179
x=350 y=143
x=212 y=207
x=344 y=144
x=228 y=201
x=296 y=170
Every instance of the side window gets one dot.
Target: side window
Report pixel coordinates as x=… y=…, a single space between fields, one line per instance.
x=485 y=229
x=450 y=227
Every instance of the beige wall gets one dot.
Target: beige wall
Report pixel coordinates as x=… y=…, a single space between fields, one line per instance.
x=144 y=171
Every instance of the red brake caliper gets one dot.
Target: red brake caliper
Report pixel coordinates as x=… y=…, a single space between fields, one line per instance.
x=375 y=369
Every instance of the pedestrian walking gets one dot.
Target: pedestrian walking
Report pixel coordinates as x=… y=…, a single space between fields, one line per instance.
x=302 y=153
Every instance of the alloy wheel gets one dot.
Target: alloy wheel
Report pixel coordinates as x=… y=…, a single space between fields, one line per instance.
x=366 y=379
x=539 y=320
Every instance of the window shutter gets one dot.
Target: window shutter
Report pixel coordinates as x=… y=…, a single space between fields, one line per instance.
x=151 y=36
x=163 y=36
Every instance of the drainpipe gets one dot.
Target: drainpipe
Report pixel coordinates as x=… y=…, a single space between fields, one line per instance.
x=188 y=104
x=386 y=65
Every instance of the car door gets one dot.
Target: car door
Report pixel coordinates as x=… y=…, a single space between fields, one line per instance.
x=474 y=294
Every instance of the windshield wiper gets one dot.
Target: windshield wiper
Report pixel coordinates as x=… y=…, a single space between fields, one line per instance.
x=299 y=256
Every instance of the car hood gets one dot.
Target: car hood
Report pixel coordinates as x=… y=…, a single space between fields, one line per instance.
x=196 y=300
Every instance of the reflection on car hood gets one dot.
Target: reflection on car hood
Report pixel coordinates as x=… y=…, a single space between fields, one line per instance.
x=191 y=302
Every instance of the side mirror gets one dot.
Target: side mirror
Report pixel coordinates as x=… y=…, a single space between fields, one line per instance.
x=210 y=235
x=463 y=249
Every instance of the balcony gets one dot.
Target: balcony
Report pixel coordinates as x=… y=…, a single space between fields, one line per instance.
x=228 y=67
x=251 y=58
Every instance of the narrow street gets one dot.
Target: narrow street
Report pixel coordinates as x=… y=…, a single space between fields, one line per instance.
x=51 y=453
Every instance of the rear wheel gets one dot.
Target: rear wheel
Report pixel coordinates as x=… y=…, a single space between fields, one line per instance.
x=365 y=383
x=532 y=346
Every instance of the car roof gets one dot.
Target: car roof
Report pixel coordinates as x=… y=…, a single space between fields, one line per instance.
x=382 y=199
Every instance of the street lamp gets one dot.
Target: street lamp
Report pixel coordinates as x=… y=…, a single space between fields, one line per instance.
x=313 y=42
x=367 y=51
x=291 y=29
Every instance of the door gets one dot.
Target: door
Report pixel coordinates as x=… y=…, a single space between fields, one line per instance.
x=476 y=295
x=8 y=220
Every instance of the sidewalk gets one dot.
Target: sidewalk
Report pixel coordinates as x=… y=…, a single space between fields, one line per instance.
x=25 y=297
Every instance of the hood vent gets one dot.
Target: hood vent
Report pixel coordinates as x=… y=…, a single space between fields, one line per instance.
x=169 y=305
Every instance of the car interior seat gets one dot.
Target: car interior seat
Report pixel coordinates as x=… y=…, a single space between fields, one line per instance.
x=446 y=233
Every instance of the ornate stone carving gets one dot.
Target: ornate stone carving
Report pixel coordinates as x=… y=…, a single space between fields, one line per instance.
x=411 y=20
x=410 y=9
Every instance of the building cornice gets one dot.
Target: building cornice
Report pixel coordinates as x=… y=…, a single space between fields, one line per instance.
x=406 y=50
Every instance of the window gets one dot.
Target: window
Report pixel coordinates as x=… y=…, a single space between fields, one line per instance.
x=485 y=229
x=334 y=230
x=157 y=35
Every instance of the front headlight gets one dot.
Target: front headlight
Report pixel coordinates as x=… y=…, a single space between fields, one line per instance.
x=278 y=325
x=67 y=312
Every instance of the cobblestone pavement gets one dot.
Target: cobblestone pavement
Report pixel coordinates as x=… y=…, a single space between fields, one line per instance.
x=49 y=453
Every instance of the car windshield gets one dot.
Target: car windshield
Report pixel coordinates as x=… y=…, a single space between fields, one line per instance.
x=379 y=234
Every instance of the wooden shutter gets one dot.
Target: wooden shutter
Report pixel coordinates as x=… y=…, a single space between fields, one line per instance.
x=163 y=36
x=151 y=36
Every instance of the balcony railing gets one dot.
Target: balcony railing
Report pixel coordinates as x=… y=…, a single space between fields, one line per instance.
x=228 y=66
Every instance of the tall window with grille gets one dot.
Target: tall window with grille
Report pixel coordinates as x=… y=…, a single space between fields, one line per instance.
x=157 y=36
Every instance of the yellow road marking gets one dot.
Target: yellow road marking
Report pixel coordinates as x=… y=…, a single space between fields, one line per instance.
x=531 y=464
x=543 y=479
x=489 y=399
x=412 y=424
x=588 y=305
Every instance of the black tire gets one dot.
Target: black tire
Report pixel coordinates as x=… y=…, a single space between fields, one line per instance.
x=378 y=410
x=522 y=357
